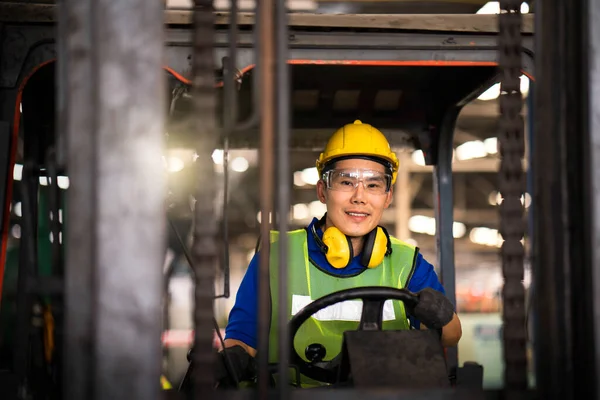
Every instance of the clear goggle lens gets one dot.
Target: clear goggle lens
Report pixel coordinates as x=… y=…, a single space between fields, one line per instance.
x=347 y=180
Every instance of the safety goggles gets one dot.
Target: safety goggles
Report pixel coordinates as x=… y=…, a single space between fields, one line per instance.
x=347 y=180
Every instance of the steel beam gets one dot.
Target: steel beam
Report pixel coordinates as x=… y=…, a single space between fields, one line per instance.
x=23 y=13
x=116 y=232
x=31 y=45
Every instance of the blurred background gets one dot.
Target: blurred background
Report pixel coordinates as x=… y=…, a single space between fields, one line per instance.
x=476 y=200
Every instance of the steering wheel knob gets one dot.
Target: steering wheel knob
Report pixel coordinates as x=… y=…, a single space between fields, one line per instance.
x=315 y=352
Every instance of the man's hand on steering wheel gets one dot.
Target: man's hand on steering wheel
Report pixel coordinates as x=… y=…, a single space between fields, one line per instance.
x=233 y=365
x=434 y=310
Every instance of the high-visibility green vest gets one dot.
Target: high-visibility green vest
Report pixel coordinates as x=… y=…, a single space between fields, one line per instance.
x=307 y=283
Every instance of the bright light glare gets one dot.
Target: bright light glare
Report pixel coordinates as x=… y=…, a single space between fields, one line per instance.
x=217 y=156
x=300 y=211
x=495 y=199
x=493 y=7
x=239 y=164
x=491 y=145
x=494 y=91
x=486 y=237
x=418 y=157
x=458 y=230
x=422 y=224
x=427 y=225
x=298 y=180
x=470 y=150
x=317 y=209
x=17 y=209
x=175 y=164
x=310 y=176
x=18 y=172
x=63 y=182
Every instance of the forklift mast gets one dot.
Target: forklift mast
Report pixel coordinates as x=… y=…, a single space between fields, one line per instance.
x=109 y=59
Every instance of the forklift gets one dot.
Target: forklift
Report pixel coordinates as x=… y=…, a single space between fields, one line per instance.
x=114 y=76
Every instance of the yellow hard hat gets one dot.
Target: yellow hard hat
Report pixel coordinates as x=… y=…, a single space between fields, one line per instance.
x=358 y=139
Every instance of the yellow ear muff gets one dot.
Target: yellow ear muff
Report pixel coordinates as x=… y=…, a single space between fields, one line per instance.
x=339 y=248
x=375 y=248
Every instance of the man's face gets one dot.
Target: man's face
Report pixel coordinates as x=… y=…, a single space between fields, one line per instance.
x=358 y=211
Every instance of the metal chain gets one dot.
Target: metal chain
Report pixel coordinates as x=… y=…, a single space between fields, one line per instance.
x=511 y=185
x=204 y=246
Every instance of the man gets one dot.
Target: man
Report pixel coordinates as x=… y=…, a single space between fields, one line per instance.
x=344 y=249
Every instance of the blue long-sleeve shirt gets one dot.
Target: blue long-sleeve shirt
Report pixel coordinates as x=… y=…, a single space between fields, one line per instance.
x=243 y=318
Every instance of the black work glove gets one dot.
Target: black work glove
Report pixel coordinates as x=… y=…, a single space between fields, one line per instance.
x=242 y=365
x=234 y=363
x=434 y=310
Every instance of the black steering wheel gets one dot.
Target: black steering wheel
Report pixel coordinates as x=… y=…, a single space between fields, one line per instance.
x=373 y=298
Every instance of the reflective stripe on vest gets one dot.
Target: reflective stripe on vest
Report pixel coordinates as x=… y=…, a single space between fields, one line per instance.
x=308 y=283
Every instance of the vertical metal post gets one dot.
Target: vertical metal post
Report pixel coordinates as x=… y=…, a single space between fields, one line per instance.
x=130 y=187
x=230 y=117
x=80 y=242
x=591 y=50
x=566 y=224
x=552 y=275
x=444 y=216
x=283 y=191
x=267 y=128
x=204 y=246
x=61 y=78
x=116 y=211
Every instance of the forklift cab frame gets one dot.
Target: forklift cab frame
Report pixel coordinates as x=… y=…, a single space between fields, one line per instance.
x=458 y=50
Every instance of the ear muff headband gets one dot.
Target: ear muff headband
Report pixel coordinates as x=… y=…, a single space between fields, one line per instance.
x=338 y=250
